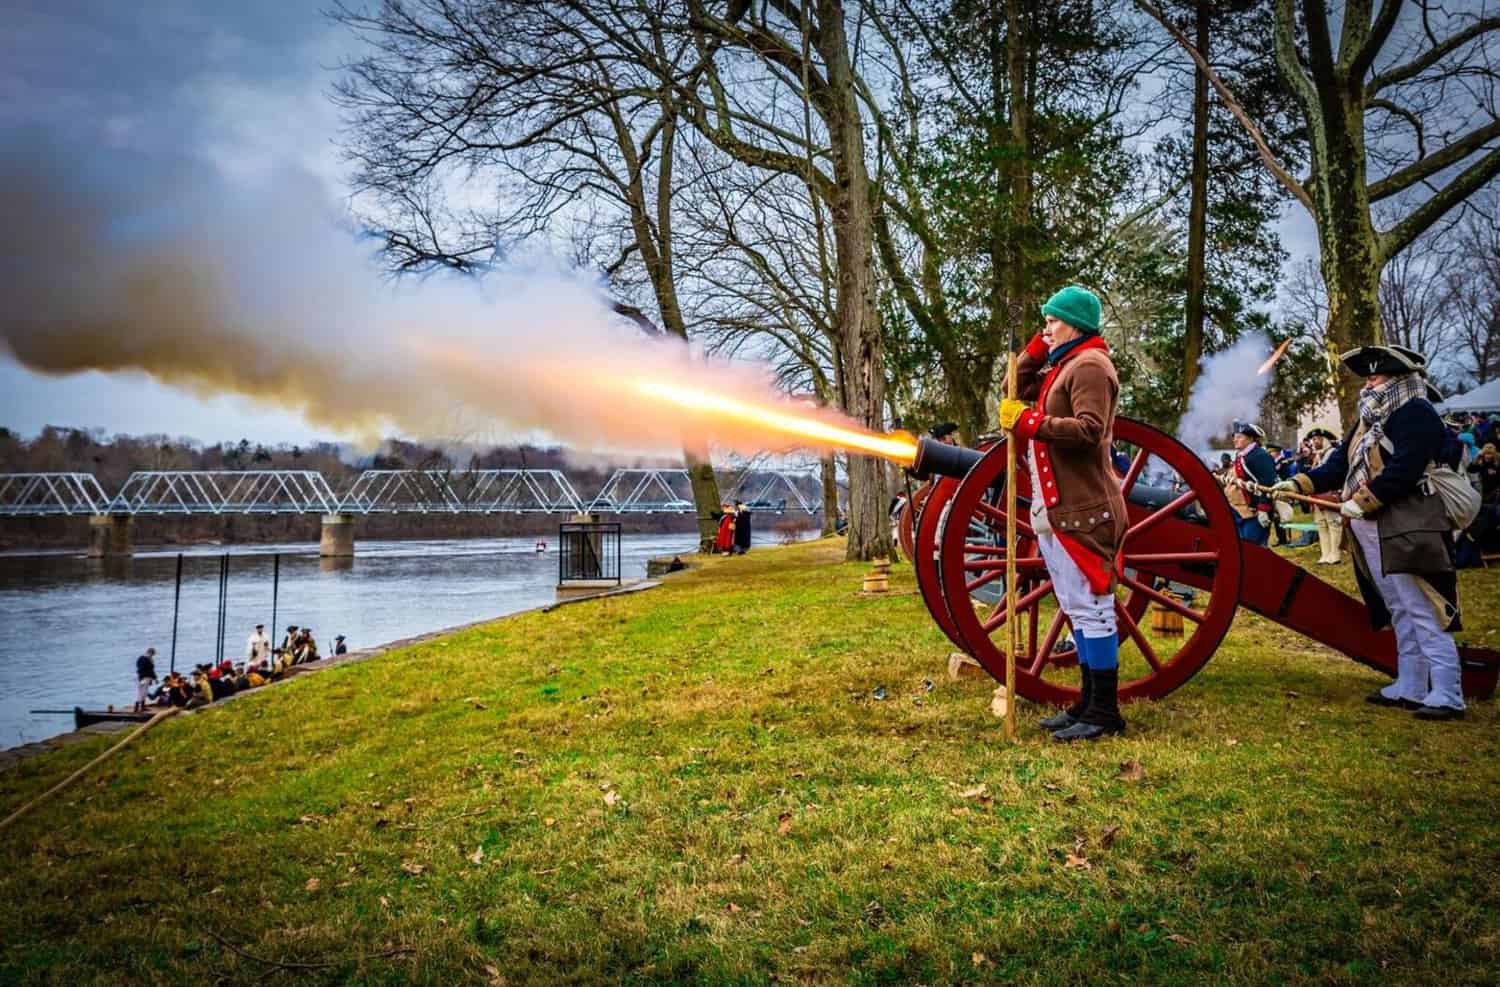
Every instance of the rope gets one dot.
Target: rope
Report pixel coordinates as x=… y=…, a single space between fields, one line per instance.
x=6 y=822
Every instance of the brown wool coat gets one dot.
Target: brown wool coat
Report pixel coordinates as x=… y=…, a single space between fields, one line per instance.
x=1075 y=427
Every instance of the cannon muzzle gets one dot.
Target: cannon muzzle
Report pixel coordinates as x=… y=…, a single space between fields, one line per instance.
x=934 y=457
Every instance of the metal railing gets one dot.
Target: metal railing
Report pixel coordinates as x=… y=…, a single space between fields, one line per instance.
x=225 y=492
x=461 y=492
x=42 y=494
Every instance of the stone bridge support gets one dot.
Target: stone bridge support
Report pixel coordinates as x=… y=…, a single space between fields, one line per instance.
x=110 y=536
x=338 y=536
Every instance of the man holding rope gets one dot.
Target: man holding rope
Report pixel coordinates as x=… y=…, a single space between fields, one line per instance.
x=1076 y=510
x=1400 y=546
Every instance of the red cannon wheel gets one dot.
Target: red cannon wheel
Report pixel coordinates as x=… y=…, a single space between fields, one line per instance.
x=924 y=558
x=1181 y=533
x=906 y=529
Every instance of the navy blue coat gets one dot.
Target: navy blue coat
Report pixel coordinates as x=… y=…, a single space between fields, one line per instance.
x=1261 y=465
x=1416 y=432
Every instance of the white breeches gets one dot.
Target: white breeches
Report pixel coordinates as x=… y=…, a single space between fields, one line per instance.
x=1330 y=534
x=1091 y=614
x=1426 y=657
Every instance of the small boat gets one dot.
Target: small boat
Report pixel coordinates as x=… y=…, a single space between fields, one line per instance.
x=88 y=717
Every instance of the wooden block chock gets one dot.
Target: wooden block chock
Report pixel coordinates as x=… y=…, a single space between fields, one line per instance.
x=878 y=580
x=961 y=666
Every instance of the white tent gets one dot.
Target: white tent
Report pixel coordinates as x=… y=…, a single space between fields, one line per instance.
x=1484 y=398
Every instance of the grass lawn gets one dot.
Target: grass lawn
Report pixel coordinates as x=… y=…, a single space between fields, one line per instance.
x=695 y=784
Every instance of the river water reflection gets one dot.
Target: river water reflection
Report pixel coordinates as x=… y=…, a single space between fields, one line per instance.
x=71 y=627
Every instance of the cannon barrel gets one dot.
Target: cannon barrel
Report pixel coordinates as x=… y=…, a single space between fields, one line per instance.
x=934 y=457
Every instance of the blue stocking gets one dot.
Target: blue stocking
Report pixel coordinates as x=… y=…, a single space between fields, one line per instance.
x=1104 y=653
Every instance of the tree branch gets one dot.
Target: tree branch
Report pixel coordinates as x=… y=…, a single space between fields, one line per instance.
x=1431 y=56
x=1396 y=239
x=1434 y=163
x=1267 y=155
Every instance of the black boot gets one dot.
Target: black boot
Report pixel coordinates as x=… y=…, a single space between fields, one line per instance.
x=1102 y=718
x=1069 y=716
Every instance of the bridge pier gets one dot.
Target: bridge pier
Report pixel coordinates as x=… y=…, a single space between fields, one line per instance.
x=110 y=536
x=338 y=536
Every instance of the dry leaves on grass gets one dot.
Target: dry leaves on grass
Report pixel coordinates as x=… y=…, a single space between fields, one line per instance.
x=784 y=823
x=477 y=857
x=312 y=884
x=1107 y=837
x=412 y=867
x=1181 y=940
x=1131 y=771
x=611 y=797
x=978 y=792
x=980 y=960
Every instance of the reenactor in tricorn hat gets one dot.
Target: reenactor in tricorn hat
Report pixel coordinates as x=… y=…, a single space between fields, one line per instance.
x=1400 y=547
x=1253 y=467
x=1330 y=522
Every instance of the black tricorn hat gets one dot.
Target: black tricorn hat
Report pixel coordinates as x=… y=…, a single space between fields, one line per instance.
x=1320 y=430
x=942 y=430
x=1390 y=360
x=1251 y=429
x=1434 y=396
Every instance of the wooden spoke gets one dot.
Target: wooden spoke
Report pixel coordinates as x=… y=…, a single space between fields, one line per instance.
x=1151 y=520
x=1049 y=642
x=1135 y=634
x=1176 y=606
x=971 y=585
x=985 y=565
x=995 y=518
x=1131 y=475
x=1138 y=559
x=997 y=616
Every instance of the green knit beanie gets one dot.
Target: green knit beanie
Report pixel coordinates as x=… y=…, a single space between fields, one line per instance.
x=1076 y=306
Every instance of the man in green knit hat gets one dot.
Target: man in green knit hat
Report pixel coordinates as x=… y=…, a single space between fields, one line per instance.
x=1077 y=510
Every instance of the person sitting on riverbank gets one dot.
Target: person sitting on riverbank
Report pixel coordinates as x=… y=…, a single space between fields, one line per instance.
x=176 y=690
x=221 y=686
x=339 y=647
x=307 y=647
x=258 y=675
x=289 y=643
x=203 y=690
x=241 y=678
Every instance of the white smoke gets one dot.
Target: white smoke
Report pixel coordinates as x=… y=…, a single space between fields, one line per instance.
x=1227 y=390
x=121 y=263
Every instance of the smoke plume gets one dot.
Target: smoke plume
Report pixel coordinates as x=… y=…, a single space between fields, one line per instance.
x=1227 y=390
x=116 y=262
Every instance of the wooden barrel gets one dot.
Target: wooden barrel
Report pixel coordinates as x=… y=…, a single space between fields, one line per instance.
x=1165 y=622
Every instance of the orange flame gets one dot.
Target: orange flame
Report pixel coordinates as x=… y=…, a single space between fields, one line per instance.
x=1274 y=356
x=897 y=446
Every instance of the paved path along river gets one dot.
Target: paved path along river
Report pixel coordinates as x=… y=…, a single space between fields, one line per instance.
x=71 y=627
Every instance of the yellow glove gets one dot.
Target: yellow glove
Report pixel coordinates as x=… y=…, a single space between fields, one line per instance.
x=1010 y=410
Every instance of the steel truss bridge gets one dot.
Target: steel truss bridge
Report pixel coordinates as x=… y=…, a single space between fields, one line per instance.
x=196 y=492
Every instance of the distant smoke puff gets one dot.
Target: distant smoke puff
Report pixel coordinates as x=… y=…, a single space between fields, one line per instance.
x=1227 y=390
x=116 y=262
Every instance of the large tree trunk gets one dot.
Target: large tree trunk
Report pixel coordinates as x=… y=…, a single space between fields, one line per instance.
x=1349 y=245
x=1192 y=344
x=860 y=343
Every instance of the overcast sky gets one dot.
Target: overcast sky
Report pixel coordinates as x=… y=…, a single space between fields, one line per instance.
x=243 y=84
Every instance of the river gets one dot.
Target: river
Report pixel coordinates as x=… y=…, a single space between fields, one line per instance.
x=71 y=627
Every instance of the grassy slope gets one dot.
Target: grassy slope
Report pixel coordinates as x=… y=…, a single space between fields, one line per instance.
x=768 y=818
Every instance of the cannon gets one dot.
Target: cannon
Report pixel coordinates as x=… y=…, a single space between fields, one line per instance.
x=1181 y=554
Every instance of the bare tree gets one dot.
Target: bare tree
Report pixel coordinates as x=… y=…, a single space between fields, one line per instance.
x=1401 y=108
x=531 y=103
x=1473 y=297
